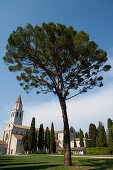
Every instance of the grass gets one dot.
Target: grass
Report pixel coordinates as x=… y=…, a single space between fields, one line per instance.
x=48 y=162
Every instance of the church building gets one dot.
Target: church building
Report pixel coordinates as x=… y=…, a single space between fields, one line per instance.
x=14 y=132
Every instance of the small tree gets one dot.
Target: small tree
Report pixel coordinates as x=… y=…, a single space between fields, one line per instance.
x=25 y=142
x=58 y=59
x=47 y=139
x=52 y=140
x=41 y=138
x=32 y=136
x=81 y=138
x=93 y=134
x=101 y=137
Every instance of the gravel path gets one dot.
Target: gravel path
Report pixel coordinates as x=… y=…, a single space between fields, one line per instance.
x=95 y=157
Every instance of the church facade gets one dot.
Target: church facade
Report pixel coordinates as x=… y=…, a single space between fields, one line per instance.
x=14 y=132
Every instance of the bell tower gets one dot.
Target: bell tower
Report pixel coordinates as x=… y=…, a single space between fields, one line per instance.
x=17 y=112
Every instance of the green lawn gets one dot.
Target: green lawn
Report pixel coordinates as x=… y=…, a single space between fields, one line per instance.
x=33 y=162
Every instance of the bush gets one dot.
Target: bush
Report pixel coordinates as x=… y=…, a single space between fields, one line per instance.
x=98 y=151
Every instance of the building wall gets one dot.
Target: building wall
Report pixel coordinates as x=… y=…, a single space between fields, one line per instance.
x=77 y=142
x=60 y=137
x=19 y=147
x=13 y=145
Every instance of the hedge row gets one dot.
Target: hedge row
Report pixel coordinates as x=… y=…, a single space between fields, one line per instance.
x=98 y=151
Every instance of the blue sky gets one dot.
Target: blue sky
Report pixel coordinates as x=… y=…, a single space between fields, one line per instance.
x=94 y=17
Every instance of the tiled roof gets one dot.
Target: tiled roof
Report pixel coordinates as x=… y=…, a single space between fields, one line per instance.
x=24 y=127
x=57 y=141
x=19 y=100
x=78 y=148
x=19 y=137
x=2 y=142
x=61 y=131
x=73 y=149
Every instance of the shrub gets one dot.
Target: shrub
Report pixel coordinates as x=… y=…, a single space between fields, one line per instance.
x=98 y=151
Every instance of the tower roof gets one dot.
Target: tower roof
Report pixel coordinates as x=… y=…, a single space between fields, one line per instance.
x=19 y=100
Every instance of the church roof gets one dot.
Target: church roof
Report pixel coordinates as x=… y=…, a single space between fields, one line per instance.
x=24 y=127
x=2 y=142
x=19 y=100
x=19 y=137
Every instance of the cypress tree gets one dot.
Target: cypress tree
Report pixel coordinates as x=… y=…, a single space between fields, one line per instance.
x=87 y=141
x=77 y=135
x=75 y=145
x=41 y=137
x=110 y=135
x=52 y=140
x=109 y=123
x=81 y=138
x=32 y=136
x=93 y=134
x=101 y=137
x=47 y=139
x=25 y=142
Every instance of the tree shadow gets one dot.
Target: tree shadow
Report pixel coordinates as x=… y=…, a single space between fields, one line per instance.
x=34 y=167
x=98 y=164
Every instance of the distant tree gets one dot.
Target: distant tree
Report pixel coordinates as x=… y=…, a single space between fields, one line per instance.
x=58 y=59
x=32 y=136
x=81 y=138
x=52 y=139
x=101 y=137
x=25 y=141
x=41 y=138
x=87 y=140
x=47 y=139
x=75 y=145
x=93 y=134
x=109 y=123
x=110 y=135
x=78 y=134
x=36 y=143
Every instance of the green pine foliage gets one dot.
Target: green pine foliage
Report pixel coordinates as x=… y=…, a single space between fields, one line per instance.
x=52 y=140
x=81 y=138
x=93 y=134
x=41 y=137
x=32 y=136
x=25 y=142
x=101 y=140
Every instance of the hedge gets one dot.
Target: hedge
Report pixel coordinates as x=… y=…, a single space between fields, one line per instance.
x=98 y=151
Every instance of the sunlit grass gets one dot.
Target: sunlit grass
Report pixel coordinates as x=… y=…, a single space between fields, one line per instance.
x=44 y=161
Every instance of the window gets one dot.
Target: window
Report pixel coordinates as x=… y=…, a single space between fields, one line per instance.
x=20 y=114
x=17 y=114
x=16 y=132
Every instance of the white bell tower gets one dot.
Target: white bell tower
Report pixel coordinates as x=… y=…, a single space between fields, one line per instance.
x=17 y=112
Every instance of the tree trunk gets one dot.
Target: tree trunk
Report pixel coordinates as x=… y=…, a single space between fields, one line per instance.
x=67 y=156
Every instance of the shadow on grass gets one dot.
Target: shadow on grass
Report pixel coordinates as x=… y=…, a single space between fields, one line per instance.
x=34 y=167
x=98 y=164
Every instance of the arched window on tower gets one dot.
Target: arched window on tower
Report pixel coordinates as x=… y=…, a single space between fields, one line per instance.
x=20 y=114
x=17 y=114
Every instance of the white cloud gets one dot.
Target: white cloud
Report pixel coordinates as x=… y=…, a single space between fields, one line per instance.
x=82 y=110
